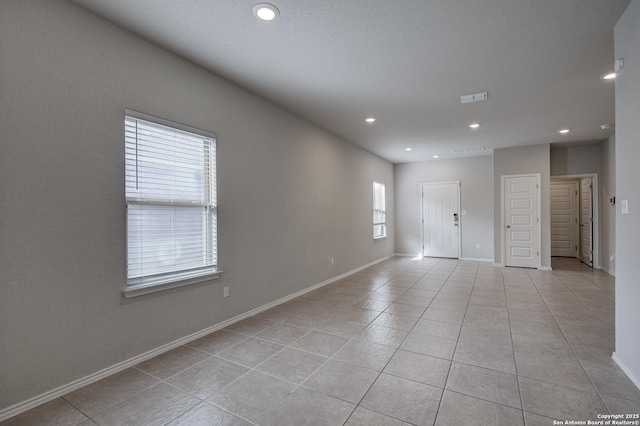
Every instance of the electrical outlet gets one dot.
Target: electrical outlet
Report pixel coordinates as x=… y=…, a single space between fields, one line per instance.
x=478 y=245
x=612 y=258
x=332 y=261
x=225 y=292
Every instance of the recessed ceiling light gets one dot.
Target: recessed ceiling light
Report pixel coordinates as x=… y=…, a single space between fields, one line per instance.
x=266 y=11
x=564 y=131
x=370 y=120
x=608 y=76
x=474 y=125
x=408 y=148
x=436 y=156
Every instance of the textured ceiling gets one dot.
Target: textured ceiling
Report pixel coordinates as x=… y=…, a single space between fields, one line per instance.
x=405 y=62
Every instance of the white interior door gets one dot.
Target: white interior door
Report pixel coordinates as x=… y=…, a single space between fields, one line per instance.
x=441 y=219
x=586 y=220
x=564 y=218
x=521 y=220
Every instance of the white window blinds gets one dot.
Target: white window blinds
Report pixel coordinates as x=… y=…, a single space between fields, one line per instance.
x=171 y=203
x=379 y=211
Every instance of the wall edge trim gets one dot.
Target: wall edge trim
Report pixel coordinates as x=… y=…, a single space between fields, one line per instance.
x=626 y=369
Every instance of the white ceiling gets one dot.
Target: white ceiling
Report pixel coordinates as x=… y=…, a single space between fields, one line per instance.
x=405 y=62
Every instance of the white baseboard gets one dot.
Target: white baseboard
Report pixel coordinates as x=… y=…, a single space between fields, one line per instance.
x=43 y=398
x=497 y=265
x=407 y=254
x=609 y=271
x=633 y=376
x=476 y=259
x=545 y=268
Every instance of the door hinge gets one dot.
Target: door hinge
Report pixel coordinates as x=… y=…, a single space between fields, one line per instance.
x=576 y=247
x=538 y=253
x=538 y=219
x=537 y=186
x=576 y=192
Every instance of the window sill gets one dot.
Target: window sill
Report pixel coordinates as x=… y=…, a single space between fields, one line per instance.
x=148 y=288
x=379 y=238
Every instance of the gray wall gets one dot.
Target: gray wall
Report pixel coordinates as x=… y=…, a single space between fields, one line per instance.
x=576 y=160
x=627 y=35
x=290 y=197
x=476 y=197
x=523 y=160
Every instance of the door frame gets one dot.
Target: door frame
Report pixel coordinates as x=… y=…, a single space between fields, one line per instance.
x=503 y=234
x=422 y=185
x=595 y=193
x=575 y=225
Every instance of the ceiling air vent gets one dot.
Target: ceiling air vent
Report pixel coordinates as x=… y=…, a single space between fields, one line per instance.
x=476 y=97
x=466 y=151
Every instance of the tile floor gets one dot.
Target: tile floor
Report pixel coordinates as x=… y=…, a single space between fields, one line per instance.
x=407 y=341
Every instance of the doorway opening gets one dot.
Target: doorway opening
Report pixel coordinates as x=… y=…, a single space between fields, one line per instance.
x=574 y=218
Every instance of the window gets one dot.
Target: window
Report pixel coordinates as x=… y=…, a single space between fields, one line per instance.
x=379 y=213
x=171 y=204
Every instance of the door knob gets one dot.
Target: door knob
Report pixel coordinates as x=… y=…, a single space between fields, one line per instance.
x=508 y=226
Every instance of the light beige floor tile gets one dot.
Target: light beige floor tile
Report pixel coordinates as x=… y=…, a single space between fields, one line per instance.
x=395 y=321
x=155 y=406
x=457 y=409
x=483 y=336
x=621 y=406
x=559 y=402
x=447 y=305
x=252 y=395
x=372 y=305
x=340 y=327
x=217 y=342
x=106 y=393
x=429 y=345
x=536 y=420
x=207 y=377
x=489 y=356
x=342 y=380
x=610 y=380
x=204 y=414
x=57 y=412
x=320 y=343
x=283 y=334
x=250 y=352
x=307 y=407
x=365 y=353
x=418 y=367
x=417 y=292
x=563 y=371
x=452 y=297
x=403 y=399
x=454 y=317
x=383 y=335
x=292 y=364
x=414 y=300
x=172 y=362
x=251 y=325
x=490 y=385
x=364 y=417
x=525 y=328
x=437 y=328
x=406 y=310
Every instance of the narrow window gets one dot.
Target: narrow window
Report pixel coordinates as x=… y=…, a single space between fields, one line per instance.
x=171 y=203
x=379 y=213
